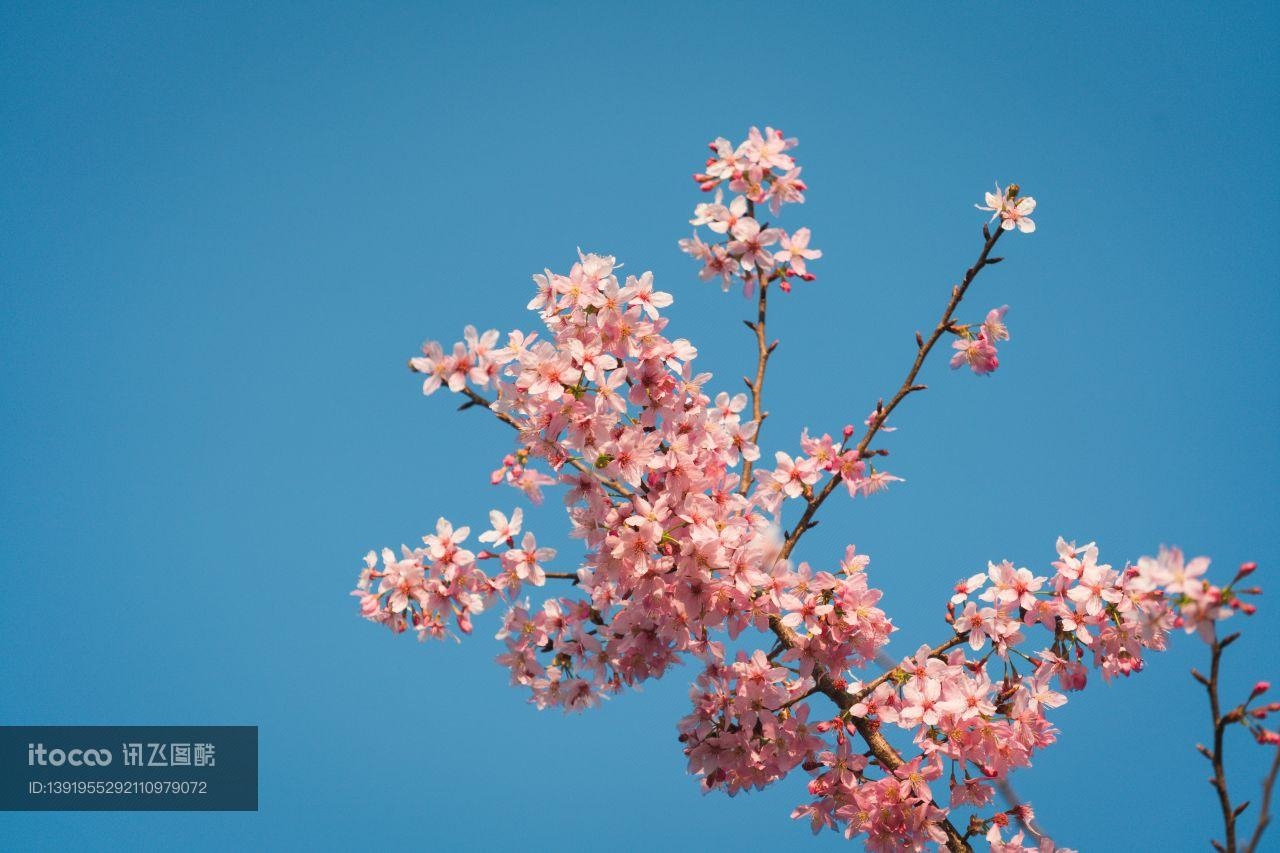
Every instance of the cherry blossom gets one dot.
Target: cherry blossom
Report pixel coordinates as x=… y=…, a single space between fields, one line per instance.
x=795 y=251
x=977 y=352
x=1010 y=209
x=756 y=171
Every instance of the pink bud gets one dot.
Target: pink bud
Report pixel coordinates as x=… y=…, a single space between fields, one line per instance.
x=1248 y=568
x=848 y=430
x=1260 y=688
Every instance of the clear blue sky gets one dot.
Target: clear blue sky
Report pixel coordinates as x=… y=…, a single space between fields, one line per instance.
x=224 y=229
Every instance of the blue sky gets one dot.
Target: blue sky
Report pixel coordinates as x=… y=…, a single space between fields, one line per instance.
x=224 y=229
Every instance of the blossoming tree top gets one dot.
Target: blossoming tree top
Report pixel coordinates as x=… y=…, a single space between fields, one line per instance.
x=689 y=547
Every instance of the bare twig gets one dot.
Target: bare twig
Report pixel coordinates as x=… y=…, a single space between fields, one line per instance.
x=1230 y=811
x=763 y=351
x=1219 y=779
x=1264 y=816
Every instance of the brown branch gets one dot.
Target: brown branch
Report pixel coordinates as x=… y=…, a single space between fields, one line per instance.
x=884 y=752
x=1220 y=723
x=937 y=651
x=763 y=351
x=908 y=386
x=870 y=731
x=1264 y=816
x=891 y=760
x=1230 y=812
x=478 y=400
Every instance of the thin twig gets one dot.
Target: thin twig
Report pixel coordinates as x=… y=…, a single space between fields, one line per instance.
x=1219 y=779
x=1221 y=721
x=1264 y=816
x=937 y=651
x=908 y=386
x=763 y=351
x=613 y=485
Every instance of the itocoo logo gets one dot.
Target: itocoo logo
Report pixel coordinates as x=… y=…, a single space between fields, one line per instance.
x=37 y=754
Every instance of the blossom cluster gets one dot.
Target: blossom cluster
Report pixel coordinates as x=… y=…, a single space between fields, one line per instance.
x=1012 y=210
x=981 y=725
x=978 y=350
x=426 y=587
x=794 y=478
x=758 y=171
x=675 y=549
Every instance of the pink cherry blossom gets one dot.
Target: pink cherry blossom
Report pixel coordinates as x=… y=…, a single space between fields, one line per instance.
x=749 y=242
x=977 y=352
x=504 y=530
x=1010 y=209
x=993 y=327
x=795 y=475
x=795 y=251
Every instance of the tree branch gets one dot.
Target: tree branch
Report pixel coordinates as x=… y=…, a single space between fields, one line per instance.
x=479 y=400
x=1264 y=816
x=880 y=747
x=763 y=351
x=870 y=732
x=908 y=386
x=1219 y=779
x=938 y=651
